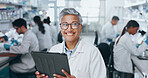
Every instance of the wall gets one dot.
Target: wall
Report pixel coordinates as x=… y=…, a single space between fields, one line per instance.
x=113 y=8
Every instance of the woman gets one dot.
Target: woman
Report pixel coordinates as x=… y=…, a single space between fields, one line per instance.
x=85 y=60
x=52 y=29
x=125 y=48
x=43 y=34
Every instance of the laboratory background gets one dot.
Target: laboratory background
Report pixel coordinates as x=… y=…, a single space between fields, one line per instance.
x=96 y=15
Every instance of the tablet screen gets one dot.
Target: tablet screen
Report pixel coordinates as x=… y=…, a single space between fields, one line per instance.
x=51 y=63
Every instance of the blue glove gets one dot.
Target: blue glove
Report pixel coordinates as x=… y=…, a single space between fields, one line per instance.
x=7 y=46
x=5 y=38
x=138 y=45
x=13 y=41
x=16 y=42
x=146 y=41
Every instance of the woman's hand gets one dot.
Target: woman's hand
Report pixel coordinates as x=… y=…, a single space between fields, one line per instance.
x=67 y=75
x=38 y=75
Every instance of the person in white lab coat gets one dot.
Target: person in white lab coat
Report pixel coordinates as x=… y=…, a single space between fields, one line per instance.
x=125 y=48
x=43 y=33
x=85 y=60
x=52 y=30
x=109 y=31
x=25 y=63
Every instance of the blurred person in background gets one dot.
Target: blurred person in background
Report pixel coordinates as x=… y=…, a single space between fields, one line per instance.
x=109 y=31
x=125 y=49
x=43 y=33
x=52 y=30
x=24 y=63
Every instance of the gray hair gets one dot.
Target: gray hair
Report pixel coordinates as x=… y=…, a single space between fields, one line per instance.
x=70 y=11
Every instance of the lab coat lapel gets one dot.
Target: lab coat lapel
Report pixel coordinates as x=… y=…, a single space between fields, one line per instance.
x=78 y=50
x=62 y=49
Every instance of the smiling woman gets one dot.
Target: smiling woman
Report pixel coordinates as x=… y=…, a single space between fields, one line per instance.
x=85 y=60
x=71 y=35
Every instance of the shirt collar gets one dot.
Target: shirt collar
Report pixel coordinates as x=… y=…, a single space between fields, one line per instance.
x=72 y=51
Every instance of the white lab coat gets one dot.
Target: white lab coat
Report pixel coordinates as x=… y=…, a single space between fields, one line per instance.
x=123 y=52
x=29 y=43
x=45 y=40
x=85 y=62
x=108 y=31
x=54 y=34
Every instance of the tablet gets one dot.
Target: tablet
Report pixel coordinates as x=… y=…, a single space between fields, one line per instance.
x=51 y=63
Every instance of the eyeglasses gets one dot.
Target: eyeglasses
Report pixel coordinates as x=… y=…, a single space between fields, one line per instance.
x=65 y=25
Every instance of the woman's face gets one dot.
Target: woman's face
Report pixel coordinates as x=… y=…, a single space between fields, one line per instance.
x=133 y=30
x=71 y=34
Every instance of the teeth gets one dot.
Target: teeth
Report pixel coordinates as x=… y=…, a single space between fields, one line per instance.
x=69 y=33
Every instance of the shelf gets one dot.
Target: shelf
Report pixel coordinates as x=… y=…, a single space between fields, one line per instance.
x=4 y=21
x=140 y=20
x=10 y=3
x=30 y=6
x=135 y=4
x=16 y=4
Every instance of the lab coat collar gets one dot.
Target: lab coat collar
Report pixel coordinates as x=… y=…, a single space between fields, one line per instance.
x=66 y=49
x=78 y=50
x=27 y=32
x=130 y=35
x=79 y=47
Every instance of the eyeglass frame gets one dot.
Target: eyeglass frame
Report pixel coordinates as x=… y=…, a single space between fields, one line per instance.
x=78 y=23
